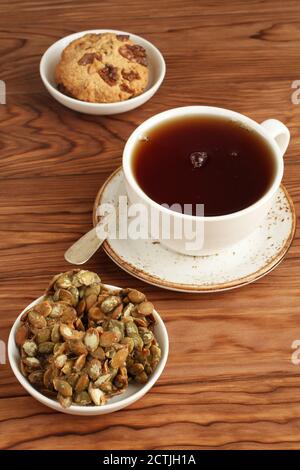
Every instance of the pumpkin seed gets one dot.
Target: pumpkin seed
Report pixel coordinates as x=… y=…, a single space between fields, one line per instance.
x=141 y=378
x=85 y=278
x=69 y=314
x=92 y=289
x=48 y=377
x=30 y=348
x=59 y=348
x=79 y=325
x=110 y=303
x=65 y=402
x=146 y=335
x=36 y=319
x=57 y=310
x=121 y=379
x=101 y=380
x=119 y=358
x=145 y=308
x=32 y=362
x=95 y=313
x=80 y=363
x=67 y=368
x=136 y=368
x=94 y=369
x=82 y=382
x=46 y=347
x=77 y=347
x=82 y=398
x=63 y=387
x=90 y=300
x=97 y=395
x=136 y=296
x=44 y=308
x=36 y=378
x=91 y=339
x=73 y=378
x=108 y=338
x=63 y=281
x=129 y=343
x=106 y=387
x=81 y=307
x=55 y=333
x=42 y=335
x=98 y=354
x=70 y=333
x=60 y=361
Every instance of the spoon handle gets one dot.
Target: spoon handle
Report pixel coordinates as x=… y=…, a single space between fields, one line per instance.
x=84 y=248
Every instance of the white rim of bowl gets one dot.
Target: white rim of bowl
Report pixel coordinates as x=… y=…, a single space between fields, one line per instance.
x=91 y=409
x=189 y=110
x=74 y=36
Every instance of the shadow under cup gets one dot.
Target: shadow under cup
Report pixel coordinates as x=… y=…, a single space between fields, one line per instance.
x=213 y=139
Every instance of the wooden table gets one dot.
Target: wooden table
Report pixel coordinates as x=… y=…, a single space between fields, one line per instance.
x=229 y=381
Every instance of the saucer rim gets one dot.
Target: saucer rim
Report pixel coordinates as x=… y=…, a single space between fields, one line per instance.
x=196 y=288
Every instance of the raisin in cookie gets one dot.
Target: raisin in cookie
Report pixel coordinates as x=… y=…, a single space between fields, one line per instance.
x=102 y=68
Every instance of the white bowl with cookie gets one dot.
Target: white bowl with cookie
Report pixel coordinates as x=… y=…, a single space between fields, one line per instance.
x=102 y=71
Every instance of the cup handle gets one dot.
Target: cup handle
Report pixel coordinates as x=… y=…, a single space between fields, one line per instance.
x=279 y=132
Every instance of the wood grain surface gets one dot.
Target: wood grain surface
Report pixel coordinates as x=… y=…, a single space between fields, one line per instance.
x=229 y=382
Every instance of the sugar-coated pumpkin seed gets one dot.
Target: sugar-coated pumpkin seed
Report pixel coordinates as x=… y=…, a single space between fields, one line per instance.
x=97 y=395
x=63 y=387
x=65 y=402
x=119 y=358
x=42 y=335
x=55 y=333
x=77 y=347
x=73 y=378
x=95 y=313
x=68 y=366
x=82 y=383
x=80 y=362
x=32 y=362
x=46 y=347
x=36 y=319
x=91 y=339
x=101 y=379
x=110 y=303
x=94 y=369
x=36 y=378
x=136 y=296
x=30 y=348
x=44 y=308
x=60 y=361
x=82 y=398
x=145 y=308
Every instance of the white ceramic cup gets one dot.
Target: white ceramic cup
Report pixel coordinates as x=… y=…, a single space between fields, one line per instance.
x=219 y=231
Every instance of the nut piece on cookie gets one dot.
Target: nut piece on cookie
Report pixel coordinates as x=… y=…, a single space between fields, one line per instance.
x=102 y=68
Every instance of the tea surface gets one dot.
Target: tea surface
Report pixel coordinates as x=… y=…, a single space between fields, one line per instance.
x=204 y=160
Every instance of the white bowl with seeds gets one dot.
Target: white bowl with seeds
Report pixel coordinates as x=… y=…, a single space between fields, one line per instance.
x=79 y=330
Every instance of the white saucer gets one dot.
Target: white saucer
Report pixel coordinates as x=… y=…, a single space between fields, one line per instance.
x=234 y=267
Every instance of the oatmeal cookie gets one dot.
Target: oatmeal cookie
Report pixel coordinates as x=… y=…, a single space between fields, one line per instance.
x=102 y=68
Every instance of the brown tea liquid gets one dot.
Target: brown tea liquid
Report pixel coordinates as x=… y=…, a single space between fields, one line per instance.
x=204 y=160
